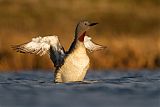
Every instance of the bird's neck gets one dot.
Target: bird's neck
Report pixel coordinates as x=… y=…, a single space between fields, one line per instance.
x=79 y=37
x=79 y=48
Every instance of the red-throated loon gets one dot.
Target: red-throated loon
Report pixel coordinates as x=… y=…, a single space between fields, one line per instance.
x=70 y=66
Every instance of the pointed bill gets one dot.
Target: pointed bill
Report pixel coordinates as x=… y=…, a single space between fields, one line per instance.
x=92 y=24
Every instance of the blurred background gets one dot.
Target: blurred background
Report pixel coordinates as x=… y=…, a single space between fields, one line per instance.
x=129 y=28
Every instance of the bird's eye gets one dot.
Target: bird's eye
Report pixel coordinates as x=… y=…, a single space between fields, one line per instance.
x=85 y=23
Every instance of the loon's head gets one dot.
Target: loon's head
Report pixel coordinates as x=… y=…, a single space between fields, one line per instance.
x=81 y=29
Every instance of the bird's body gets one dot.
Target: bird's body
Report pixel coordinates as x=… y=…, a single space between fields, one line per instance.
x=70 y=66
x=75 y=65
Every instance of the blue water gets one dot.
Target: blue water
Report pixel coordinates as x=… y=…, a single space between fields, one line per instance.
x=102 y=89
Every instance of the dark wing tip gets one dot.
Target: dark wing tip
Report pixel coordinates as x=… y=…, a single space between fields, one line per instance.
x=18 y=48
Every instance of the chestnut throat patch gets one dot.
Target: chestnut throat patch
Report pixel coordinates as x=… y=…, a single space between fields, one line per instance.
x=81 y=38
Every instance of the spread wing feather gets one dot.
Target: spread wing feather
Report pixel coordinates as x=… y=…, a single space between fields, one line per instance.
x=43 y=45
x=91 y=46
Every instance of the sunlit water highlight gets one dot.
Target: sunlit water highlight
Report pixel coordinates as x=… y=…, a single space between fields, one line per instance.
x=102 y=89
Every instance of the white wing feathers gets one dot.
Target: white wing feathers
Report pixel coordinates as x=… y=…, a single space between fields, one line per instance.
x=39 y=45
x=91 y=46
x=42 y=46
x=51 y=45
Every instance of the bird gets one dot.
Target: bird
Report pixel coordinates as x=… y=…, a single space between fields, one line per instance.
x=71 y=65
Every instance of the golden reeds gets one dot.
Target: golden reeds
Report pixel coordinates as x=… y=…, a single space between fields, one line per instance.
x=130 y=30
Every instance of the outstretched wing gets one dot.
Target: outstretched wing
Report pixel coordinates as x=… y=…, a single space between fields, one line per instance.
x=91 y=46
x=43 y=45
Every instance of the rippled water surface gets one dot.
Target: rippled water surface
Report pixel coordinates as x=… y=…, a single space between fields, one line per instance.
x=102 y=89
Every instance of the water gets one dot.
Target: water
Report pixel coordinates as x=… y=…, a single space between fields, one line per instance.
x=103 y=89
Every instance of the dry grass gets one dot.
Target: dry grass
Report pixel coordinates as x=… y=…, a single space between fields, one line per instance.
x=130 y=29
x=130 y=52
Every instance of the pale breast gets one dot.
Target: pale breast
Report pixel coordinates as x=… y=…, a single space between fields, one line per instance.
x=75 y=66
x=80 y=61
